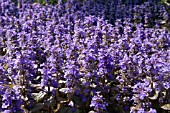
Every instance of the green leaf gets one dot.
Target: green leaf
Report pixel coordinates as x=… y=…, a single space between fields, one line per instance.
x=155 y=96
x=166 y=107
x=66 y=90
x=167 y=2
x=50 y=101
x=77 y=100
x=71 y=111
x=24 y=109
x=64 y=110
x=38 y=96
x=64 y=1
x=37 y=107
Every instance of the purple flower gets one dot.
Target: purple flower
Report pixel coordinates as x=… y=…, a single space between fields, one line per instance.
x=7 y=111
x=98 y=102
x=151 y=110
x=142 y=95
x=166 y=85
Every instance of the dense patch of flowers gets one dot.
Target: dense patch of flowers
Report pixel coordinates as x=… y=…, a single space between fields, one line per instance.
x=91 y=56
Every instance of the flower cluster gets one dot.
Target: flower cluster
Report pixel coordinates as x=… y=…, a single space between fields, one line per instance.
x=95 y=55
x=97 y=103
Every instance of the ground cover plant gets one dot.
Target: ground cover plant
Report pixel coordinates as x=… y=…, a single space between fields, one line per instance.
x=91 y=56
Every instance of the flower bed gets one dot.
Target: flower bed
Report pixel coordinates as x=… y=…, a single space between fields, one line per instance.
x=80 y=57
